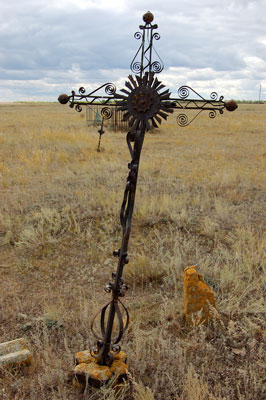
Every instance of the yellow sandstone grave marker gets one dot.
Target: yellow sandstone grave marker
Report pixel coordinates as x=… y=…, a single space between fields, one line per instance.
x=198 y=296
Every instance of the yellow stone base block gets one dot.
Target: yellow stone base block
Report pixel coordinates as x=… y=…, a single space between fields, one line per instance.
x=198 y=297
x=89 y=372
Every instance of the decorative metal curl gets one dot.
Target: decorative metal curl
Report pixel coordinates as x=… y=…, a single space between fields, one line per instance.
x=136 y=67
x=156 y=67
x=122 y=325
x=110 y=89
x=146 y=49
x=182 y=120
x=183 y=92
x=214 y=96
x=78 y=108
x=106 y=112
x=156 y=36
x=138 y=35
x=212 y=114
x=115 y=348
x=82 y=90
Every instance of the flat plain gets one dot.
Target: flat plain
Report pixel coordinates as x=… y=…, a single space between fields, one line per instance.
x=201 y=200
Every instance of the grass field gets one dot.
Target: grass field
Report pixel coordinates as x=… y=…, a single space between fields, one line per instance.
x=201 y=199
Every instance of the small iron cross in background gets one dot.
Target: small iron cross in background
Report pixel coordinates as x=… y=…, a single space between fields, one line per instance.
x=145 y=102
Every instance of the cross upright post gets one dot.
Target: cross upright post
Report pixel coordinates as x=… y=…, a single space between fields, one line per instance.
x=144 y=102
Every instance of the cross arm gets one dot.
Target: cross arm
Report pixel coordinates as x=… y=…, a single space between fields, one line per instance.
x=142 y=100
x=198 y=103
x=103 y=95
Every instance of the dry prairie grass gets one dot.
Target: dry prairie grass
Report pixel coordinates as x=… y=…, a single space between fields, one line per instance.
x=200 y=200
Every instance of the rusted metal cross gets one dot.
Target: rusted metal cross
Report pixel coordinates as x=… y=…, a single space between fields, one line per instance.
x=145 y=102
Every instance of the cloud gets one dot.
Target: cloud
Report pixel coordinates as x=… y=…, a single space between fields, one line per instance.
x=55 y=45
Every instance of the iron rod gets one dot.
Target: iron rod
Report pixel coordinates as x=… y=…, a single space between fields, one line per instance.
x=131 y=185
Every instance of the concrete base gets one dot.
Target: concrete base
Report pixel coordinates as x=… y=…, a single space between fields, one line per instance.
x=88 y=372
x=15 y=353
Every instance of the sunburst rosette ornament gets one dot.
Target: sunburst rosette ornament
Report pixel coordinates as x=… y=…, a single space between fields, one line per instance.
x=144 y=102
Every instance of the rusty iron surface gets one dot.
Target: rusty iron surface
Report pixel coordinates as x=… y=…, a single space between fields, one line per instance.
x=145 y=103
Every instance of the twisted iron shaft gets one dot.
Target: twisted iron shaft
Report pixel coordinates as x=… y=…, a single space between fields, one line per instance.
x=106 y=345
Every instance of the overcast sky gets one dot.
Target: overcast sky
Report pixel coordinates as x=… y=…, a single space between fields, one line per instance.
x=48 y=47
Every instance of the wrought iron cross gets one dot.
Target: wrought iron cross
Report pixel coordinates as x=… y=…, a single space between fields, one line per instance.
x=145 y=102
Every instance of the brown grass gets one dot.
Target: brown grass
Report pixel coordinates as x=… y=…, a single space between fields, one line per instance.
x=200 y=200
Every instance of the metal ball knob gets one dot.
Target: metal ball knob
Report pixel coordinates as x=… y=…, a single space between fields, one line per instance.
x=116 y=253
x=231 y=105
x=63 y=98
x=148 y=17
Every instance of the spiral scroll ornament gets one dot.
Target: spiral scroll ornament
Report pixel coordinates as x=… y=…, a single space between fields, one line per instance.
x=138 y=35
x=146 y=49
x=182 y=120
x=183 y=92
x=156 y=36
x=212 y=114
x=106 y=112
x=214 y=96
x=78 y=108
x=110 y=89
x=82 y=90
x=136 y=67
x=157 y=67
